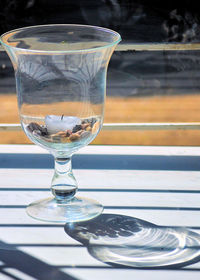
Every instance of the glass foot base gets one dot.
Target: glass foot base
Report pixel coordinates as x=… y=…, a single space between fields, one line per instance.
x=76 y=210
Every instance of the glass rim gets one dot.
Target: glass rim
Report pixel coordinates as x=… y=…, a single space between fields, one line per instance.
x=62 y=51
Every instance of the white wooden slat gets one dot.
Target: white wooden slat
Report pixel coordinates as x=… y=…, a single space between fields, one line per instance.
x=151 y=46
x=160 y=217
x=104 y=179
x=108 y=150
x=157 y=46
x=150 y=126
x=36 y=235
x=74 y=256
x=71 y=256
x=119 y=274
x=113 y=199
x=17 y=217
x=19 y=274
x=125 y=126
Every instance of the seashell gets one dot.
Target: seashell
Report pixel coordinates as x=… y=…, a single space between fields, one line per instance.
x=61 y=133
x=95 y=127
x=74 y=137
x=85 y=125
x=88 y=128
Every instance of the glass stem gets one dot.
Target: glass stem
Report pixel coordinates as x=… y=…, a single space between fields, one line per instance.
x=63 y=184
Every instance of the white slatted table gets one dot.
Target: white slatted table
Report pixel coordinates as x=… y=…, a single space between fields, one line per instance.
x=158 y=184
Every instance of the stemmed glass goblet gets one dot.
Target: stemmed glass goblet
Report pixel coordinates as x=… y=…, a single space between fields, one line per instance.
x=60 y=73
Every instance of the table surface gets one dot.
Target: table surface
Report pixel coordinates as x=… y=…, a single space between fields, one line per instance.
x=160 y=185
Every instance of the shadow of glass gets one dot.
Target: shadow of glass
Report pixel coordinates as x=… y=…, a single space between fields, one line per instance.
x=121 y=240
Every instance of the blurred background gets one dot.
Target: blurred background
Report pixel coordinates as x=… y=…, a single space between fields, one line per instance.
x=143 y=86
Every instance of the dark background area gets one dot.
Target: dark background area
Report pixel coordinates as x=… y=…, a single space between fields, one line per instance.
x=136 y=21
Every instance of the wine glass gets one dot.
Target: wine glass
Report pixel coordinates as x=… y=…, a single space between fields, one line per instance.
x=60 y=73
